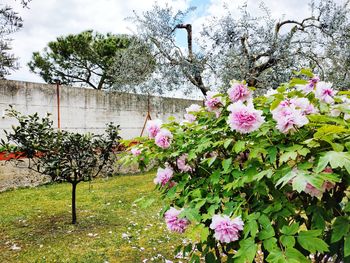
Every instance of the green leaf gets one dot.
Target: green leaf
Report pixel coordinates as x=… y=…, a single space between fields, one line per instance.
x=290 y=230
x=288 y=156
x=290 y=255
x=309 y=241
x=246 y=252
x=287 y=241
x=335 y=159
x=272 y=151
x=270 y=244
x=347 y=246
x=239 y=146
x=227 y=143
x=251 y=227
x=226 y=164
x=215 y=177
x=340 y=228
x=266 y=233
x=211 y=160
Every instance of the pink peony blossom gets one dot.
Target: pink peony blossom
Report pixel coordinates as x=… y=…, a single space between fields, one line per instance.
x=244 y=118
x=226 y=230
x=153 y=127
x=181 y=164
x=163 y=138
x=239 y=92
x=310 y=87
x=190 y=117
x=163 y=176
x=288 y=118
x=173 y=222
x=312 y=190
x=324 y=92
x=193 y=108
x=213 y=104
x=304 y=105
x=135 y=151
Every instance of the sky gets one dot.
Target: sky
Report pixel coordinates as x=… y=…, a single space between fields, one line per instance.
x=45 y=20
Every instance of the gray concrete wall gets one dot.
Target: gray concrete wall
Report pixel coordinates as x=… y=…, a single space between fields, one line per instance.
x=87 y=110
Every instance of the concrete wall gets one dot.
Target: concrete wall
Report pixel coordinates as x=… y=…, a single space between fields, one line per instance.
x=87 y=110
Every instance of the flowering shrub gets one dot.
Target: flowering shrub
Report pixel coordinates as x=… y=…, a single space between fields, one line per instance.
x=259 y=180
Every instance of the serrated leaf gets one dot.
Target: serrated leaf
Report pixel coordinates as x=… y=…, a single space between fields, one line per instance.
x=309 y=241
x=335 y=159
x=340 y=228
x=287 y=241
x=272 y=151
x=239 y=146
x=246 y=252
x=215 y=177
x=288 y=156
x=226 y=164
x=270 y=244
x=290 y=230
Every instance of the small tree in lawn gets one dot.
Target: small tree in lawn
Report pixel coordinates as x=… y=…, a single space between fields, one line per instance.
x=62 y=155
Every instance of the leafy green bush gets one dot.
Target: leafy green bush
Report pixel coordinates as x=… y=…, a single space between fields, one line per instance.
x=258 y=179
x=63 y=155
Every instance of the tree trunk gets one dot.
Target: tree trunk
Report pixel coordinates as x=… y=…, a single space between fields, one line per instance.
x=74 y=211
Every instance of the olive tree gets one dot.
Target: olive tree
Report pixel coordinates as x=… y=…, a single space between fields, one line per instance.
x=62 y=155
x=258 y=48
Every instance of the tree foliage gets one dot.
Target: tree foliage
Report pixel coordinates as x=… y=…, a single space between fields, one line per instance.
x=260 y=49
x=97 y=60
x=10 y=22
x=62 y=155
x=274 y=170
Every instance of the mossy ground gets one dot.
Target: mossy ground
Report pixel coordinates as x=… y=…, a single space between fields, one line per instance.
x=111 y=226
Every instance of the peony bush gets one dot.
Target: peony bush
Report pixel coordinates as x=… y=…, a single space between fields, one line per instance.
x=262 y=179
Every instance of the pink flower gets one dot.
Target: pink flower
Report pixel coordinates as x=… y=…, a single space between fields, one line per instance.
x=324 y=92
x=312 y=190
x=310 y=87
x=173 y=222
x=189 y=116
x=163 y=138
x=239 y=92
x=304 y=105
x=135 y=151
x=213 y=104
x=153 y=127
x=244 y=119
x=288 y=118
x=181 y=164
x=193 y=108
x=163 y=176
x=327 y=185
x=226 y=230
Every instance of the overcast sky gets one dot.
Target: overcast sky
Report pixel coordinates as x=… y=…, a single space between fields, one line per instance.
x=47 y=19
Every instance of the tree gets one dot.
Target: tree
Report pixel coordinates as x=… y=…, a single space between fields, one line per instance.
x=10 y=22
x=62 y=155
x=261 y=50
x=93 y=59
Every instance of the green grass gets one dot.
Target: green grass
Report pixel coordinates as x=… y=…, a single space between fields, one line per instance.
x=38 y=221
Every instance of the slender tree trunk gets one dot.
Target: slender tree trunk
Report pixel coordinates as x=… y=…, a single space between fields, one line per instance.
x=74 y=211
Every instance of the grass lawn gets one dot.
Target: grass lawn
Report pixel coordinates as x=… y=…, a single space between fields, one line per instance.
x=35 y=223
